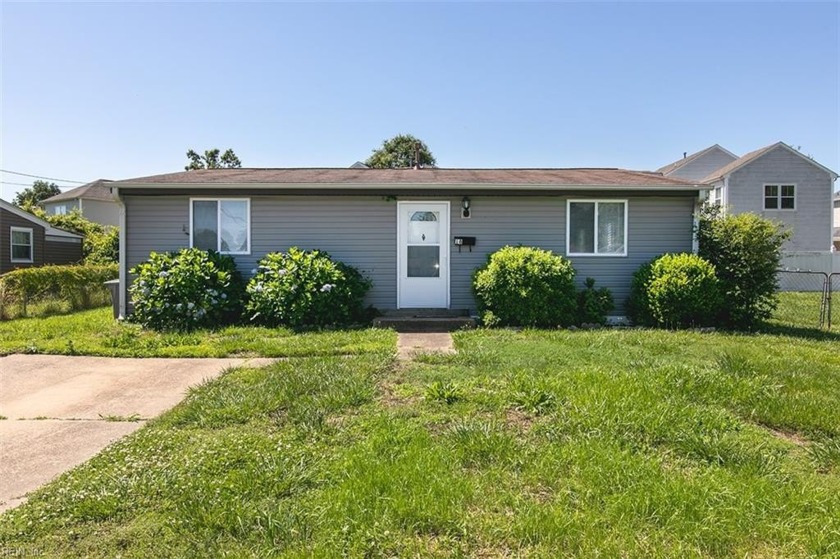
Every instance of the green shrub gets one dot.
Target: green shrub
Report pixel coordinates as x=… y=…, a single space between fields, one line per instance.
x=188 y=289
x=57 y=288
x=638 y=305
x=305 y=289
x=594 y=304
x=524 y=286
x=745 y=250
x=679 y=290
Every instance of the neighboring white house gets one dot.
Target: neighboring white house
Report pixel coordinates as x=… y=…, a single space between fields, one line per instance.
x=776 y=181
x=837 y=222
x=94 y=200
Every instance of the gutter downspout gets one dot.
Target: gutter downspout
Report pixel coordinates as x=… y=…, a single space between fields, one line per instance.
x=123 y=266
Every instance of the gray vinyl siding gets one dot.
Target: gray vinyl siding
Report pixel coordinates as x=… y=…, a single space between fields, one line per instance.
x=9 y=220
x=62 y=250
x=656 y=225
x=100 y=211
x=361 y=231
x=703 y=166
x=810 y=222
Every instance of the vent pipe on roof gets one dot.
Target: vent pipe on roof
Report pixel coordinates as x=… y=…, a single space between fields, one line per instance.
x=416 y=155
x=685 y=154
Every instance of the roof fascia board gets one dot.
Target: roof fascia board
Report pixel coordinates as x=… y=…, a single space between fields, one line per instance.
x=127 y=187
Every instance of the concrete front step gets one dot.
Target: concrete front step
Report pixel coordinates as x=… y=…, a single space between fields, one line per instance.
x=424 y=324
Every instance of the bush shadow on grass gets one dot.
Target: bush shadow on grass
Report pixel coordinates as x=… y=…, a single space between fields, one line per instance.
x=803 y=332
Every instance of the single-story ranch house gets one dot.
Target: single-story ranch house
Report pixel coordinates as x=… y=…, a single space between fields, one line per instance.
x=417 y=233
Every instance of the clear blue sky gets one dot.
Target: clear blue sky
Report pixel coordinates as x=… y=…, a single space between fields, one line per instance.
x=123 y=90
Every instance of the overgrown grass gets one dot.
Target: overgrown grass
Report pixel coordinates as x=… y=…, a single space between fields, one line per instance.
x=95 y=332
x=544 y=444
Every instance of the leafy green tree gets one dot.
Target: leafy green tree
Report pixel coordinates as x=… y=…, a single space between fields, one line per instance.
x=40 y=190
x=401 y=152
x=212 y=160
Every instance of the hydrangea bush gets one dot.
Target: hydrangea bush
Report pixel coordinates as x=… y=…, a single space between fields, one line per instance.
x=305 y=289
x=185 y=290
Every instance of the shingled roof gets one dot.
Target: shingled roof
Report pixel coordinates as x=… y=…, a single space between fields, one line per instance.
x=96 y=190
x=357 y=178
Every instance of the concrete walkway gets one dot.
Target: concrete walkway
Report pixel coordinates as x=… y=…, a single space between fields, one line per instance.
x=411 y=344
x=60 y=411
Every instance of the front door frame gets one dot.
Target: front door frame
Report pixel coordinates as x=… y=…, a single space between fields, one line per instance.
x=444 y=248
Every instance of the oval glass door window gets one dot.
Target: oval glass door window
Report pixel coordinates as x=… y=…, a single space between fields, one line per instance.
x=424 y=228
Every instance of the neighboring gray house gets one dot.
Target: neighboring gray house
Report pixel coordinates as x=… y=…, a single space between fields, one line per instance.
x=698 y=166
x=27 y=241
x=417 y=233
x=94 y=200
x=777 y=182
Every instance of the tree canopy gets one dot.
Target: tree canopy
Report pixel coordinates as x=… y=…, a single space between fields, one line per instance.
x=40 y=190
x=212 y=160
x=401 y=152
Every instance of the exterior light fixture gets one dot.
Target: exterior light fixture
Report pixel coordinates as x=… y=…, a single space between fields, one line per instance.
x=465 y=207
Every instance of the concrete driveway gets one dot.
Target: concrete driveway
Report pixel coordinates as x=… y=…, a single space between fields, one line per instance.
x=60 y=411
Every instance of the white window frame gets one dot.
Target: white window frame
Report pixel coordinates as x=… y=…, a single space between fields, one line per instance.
x=779 y=185
x=12 y=245
x=597 y=202
x=218 y=221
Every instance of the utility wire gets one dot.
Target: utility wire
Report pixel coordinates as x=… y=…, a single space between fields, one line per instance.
x=39 y=177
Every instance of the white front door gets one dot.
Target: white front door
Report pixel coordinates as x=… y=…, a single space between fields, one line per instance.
x=423 y=255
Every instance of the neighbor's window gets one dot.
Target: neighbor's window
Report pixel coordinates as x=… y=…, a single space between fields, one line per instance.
x=596 y=227
x=779 y=197
x=22 y=244
x=221 y=224
x=59 y=210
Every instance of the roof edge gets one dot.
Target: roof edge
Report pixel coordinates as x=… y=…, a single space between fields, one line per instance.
x=49 y=229
x=764 y=151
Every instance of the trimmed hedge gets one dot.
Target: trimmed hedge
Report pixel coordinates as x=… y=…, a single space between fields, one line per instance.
x=76 y=286
x=306 y=289
x=188 y=289
x=526 y=286
x=675 y=291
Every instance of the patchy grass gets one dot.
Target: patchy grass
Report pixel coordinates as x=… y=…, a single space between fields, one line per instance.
x=542 y=444
x=95 y=332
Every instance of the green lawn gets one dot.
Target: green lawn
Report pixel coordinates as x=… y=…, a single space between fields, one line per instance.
x=802 y=310
x=95 y=332
x=607 y=443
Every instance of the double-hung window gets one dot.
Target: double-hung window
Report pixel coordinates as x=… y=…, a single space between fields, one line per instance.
x=221 y=224
x=779 y=197
x=596 y=228
x=23 y=249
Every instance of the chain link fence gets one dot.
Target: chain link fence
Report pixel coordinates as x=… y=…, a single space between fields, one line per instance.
x=805 y=299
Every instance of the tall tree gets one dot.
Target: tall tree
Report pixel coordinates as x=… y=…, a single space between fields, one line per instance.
x=401 y=151
x=211 y=160
x=40 y=190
